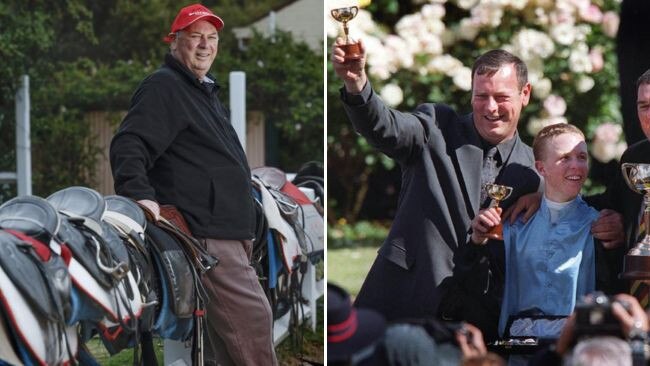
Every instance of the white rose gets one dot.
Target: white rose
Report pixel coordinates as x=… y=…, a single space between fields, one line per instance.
x=584 y=84
x=555 y=105
x=563 y=33
x=392 y=94
x=468 y=29
x=466 y=4
x=463 y=78
x=542 y=88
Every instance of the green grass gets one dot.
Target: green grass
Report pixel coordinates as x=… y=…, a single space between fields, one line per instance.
x=289 y=353
x=347 y=267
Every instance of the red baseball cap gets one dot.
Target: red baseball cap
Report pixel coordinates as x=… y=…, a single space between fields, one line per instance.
x=191 y=14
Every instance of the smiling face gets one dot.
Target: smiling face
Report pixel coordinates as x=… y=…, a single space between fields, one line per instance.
x=196 y=47
x=564 y=166
x=497 y=102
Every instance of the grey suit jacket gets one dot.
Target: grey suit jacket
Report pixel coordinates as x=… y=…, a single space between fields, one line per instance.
x=441 y=157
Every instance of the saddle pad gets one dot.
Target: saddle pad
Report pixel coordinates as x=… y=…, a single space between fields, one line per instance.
x=7 y=353
x=294 y=192
x=117 y=304
x=176 y=269
x=313 y=225
x=40 y=337
x=289 y=244
x=85 y=252
x=36 y=277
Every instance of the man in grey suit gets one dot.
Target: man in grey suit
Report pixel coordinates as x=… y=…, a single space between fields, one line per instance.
x=442 y=156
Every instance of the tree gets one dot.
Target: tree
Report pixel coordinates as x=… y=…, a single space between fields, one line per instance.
x=424 y=52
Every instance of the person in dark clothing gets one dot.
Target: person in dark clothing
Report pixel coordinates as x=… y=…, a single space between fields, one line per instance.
x=442 y=156
x=618 y=195
x=176 y=146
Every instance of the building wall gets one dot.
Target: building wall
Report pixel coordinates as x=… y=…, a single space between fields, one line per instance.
x=298 y=18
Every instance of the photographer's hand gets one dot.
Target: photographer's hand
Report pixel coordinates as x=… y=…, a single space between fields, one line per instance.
x=470 y=341
x=565 y=341
x=634 y=318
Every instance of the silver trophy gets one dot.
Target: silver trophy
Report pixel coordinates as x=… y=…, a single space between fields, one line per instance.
x=636 y=265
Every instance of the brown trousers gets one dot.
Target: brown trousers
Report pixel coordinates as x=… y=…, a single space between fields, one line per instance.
x=239 y=317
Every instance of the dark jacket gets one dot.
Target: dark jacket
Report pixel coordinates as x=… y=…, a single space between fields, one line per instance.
x=441 y=155
x=618 y=196
x=176 y=146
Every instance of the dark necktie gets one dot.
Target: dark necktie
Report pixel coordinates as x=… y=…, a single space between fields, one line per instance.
x=488 y=172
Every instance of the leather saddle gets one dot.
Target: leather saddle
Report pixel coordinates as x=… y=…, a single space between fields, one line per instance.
x=35 y=286
x=105 y=281
x=31 y=215
x=130 y=222
x=84 y=208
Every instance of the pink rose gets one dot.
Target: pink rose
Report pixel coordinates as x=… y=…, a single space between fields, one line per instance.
x=555 y=105
x=596 y=58
x=591 y=13
x=610 y=23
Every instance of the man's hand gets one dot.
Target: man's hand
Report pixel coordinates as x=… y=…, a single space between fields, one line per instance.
x=632 y=318
x=608 y=228
x=470 y=341
x=151 y=207
x=563 y=343
x=483 y=222
x=528 y=204
x=352 y=72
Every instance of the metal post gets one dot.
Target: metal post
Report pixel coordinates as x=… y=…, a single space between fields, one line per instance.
x=23 y=142
x=238 y=105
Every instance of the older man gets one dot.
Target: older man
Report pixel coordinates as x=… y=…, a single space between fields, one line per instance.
x=176 y=146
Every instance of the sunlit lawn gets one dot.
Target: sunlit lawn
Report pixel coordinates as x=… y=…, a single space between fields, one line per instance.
x=347 y=267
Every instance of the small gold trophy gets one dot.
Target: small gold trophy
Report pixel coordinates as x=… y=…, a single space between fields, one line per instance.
x=344 y=15
x=498 y=193
x=636 y=265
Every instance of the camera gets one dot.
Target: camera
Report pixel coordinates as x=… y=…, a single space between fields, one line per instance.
x=594 y=317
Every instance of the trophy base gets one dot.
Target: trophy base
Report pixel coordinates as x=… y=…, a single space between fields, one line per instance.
x=352 y=51
x=498 y=230
x=636 y=267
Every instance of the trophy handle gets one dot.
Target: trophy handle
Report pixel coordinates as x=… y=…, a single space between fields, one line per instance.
x=354 y=10
x=626 y=169
x=509 y=190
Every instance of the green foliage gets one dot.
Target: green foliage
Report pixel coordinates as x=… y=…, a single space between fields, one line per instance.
x=86 y=56
x=284 y=80
x=349 y=156
x=362 y=233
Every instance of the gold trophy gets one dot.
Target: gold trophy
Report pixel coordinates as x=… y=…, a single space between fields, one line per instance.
x=636 y=265
x=498 y=193
x=344 y=15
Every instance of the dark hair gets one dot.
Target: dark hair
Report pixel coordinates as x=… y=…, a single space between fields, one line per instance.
x=491 y=61
x=643 y=79
x=551 y=131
